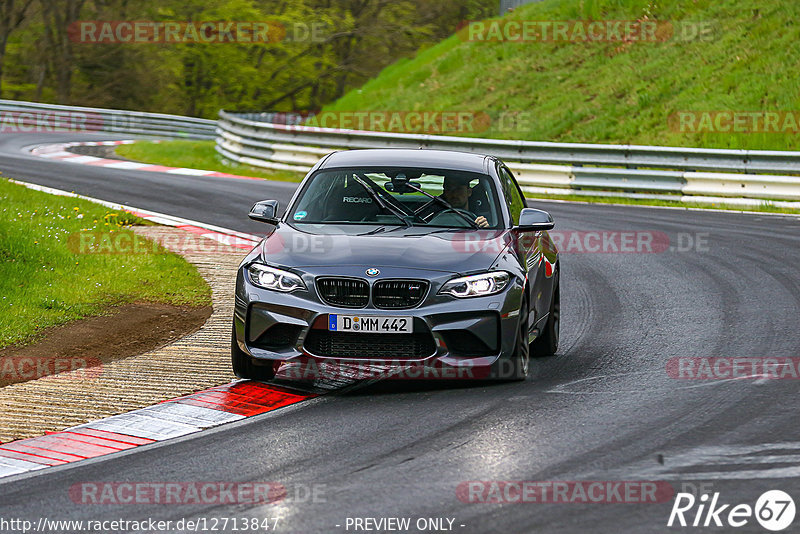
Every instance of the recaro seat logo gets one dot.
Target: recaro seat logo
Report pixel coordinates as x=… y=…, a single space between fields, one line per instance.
x=774 y=510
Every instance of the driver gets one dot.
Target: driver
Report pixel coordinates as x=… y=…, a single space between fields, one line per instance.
x=456 y=191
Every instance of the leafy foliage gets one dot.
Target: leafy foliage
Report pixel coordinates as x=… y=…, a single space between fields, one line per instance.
x=330 y=46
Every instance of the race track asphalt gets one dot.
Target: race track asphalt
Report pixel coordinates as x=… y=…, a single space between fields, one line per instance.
x=603 y=409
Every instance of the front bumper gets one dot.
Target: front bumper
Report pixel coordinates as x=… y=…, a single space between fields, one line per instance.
x=473 y=332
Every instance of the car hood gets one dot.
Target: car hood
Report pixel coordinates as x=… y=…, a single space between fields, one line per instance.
x=414 y=248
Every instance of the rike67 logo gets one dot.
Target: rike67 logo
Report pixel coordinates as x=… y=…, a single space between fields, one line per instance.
x=774 y=510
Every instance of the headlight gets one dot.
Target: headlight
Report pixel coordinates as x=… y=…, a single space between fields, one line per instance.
x=274 y=279
x=477 y=285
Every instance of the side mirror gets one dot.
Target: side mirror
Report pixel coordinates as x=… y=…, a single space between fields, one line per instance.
x=265 y=211
x=533 y=220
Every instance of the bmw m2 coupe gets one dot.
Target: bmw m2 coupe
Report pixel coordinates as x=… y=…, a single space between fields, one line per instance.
x=408 y=257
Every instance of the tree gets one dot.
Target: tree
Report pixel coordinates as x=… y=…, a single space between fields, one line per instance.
x=304 y=71
x=58 y=16
x=12 y=14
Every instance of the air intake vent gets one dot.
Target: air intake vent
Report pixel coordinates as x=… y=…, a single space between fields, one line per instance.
x=345 y=292
x=354 y=345
x=398 y=294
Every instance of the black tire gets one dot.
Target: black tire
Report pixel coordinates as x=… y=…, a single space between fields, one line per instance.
x=243 y=365
x=546 y=344
x=517 y=367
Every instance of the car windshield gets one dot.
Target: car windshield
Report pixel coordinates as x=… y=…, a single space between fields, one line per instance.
x=398 y=197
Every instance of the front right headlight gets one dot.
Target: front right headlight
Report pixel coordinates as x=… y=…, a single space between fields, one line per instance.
x=477 y=285
x=274 y=279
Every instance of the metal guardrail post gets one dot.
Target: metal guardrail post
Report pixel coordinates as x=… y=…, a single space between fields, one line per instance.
x=51 y=117
x=618 y=170
x=746 y=176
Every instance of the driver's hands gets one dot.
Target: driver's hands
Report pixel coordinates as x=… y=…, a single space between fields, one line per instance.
x=482 y=222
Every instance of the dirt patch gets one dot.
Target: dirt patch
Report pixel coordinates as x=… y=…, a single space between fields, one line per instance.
x=87 y=344
x=100 y=151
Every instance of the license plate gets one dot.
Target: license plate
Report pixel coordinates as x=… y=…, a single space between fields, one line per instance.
x=371 y=324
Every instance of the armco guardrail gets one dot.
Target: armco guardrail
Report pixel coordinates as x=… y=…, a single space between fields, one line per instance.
x=632 y=156
x=690 y=174
x=35 y=117
x=554 y=168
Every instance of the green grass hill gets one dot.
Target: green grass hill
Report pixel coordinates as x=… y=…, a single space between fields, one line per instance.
x=743 y=59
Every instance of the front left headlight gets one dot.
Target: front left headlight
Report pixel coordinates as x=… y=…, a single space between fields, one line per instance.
x=274 y=279
x=477 y=285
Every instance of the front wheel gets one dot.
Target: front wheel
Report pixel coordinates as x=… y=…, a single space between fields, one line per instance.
x=516 y=368
x=243 y=365
x=547 y=342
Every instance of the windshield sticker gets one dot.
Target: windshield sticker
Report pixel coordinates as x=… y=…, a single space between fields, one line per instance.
x=300 y=215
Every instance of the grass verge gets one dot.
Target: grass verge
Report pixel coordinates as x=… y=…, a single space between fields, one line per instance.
x=45 y=282
x=197 y=155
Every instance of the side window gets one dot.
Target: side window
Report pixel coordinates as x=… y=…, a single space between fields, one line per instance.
x=511 y=193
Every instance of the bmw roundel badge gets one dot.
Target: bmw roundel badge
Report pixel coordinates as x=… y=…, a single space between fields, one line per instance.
x=372 y=271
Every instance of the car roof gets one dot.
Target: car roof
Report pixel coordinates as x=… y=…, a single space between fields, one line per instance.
x=399 y=157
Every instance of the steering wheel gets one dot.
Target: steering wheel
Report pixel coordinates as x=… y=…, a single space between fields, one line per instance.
x=446 y=211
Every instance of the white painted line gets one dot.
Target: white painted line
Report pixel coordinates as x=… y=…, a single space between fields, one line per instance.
x=647 y=206
x=58 y=151
x=167 y=220
x=127 y=165
x=45 y=151
x=111 y=143
x=190 y=172
x=745 y=474
x=82 y=159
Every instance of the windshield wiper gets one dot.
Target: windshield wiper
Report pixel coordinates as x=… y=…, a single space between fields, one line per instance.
x=448 y=230
x=375 y=187
x=377 y=230
x=382 y=229
x=444 y=203
x=381 y=203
